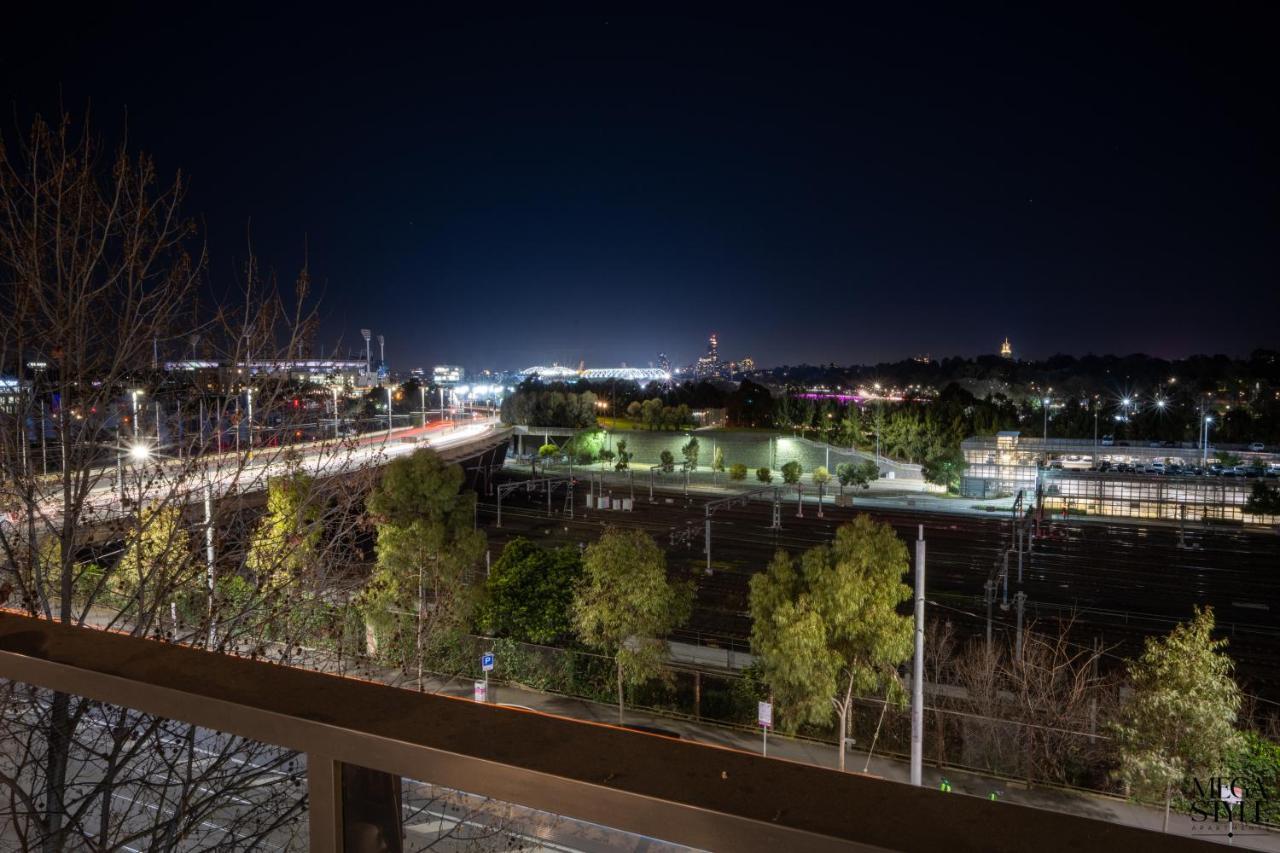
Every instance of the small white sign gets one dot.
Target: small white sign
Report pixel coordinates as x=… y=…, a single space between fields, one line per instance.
x=764 y=714
x=1232 y=795
x=482 y=692
x=486 y=661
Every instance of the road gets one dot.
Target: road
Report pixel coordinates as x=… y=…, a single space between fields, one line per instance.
x=184 y=481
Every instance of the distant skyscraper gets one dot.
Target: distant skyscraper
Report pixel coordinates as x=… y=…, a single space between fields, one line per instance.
x=747 y=364
x=1006 y=349
x=664 y=363
x=709 y=366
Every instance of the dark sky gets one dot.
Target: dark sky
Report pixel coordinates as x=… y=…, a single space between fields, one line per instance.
x=507 y=191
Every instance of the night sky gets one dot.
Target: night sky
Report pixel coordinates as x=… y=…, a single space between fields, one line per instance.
x=505 y=192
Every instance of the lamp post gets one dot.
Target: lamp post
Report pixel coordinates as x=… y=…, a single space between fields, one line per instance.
x=249 y=398
x=335 y=411
x=1204 y=441
x=389 y=410
x=422 y=393
x=136 y=393
x=1044 y=405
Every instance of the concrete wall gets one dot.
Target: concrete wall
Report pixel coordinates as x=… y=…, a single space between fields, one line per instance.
x=753 y=449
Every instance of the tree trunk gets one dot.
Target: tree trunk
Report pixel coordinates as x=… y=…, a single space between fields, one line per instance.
x=875 y=737
x=844 y=714
x=619 y=664
x=56 y=771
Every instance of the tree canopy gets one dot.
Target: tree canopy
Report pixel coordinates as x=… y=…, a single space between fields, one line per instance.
x=528 y=595
x=826 y=627
x=1180 y=719
x=625 y=605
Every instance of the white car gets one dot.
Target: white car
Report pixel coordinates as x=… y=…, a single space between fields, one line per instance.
x=1257 y=447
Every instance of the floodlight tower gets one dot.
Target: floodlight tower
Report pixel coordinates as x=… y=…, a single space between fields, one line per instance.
x=368 y=356
x=382 y=351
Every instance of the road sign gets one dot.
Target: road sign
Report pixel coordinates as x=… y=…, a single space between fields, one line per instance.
x=486 y=661
x=764 y=714
x=482 y=692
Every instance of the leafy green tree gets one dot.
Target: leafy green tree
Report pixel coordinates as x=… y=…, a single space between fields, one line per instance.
x=764 y=475
x=625 y=605
x=1263 y=499
x=418 y=596
x=826 y=629
x=285 y=542
x=1257 y=760
x=606 y=456
x=1227 y=459
x=156 y=563
x=737 y=471
x=529 y=593
x=857 y=474
x=791 y=472
x=1180 y=718
x=547 y=450
x=821 y=476
x=667 y=460
x=944 y=467
x=717 y=460
x=651 y=413
x=690 y=453
x=624 y=456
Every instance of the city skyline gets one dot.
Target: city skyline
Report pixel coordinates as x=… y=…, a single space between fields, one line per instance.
x=837 y=189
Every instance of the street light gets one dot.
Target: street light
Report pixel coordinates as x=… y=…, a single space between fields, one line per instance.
x=139 y=453
x=249 y=395
x=1045 y=407
x=388 y=408
x=136 y=393
x=1204 y=442
x=335 y=411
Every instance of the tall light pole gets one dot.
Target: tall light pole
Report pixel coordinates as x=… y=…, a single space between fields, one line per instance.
x=1045 y=406
x=917 y=670
x=136 y=394
x=249 y=399
x=335 y=411
x=368 y=354
x=1204 y=441
x=388 y=408
x=422 y=393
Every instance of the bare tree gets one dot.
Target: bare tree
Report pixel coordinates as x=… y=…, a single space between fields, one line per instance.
x=140 y=520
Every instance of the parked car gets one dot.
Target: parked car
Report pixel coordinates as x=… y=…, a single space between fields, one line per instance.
x=1108 y=441
x=1257 y=447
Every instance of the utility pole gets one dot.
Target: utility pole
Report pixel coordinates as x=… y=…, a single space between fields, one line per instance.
x=917 y=670
x=209 y=558
x=44 y=450
x=989 y=594
x=1020 y=599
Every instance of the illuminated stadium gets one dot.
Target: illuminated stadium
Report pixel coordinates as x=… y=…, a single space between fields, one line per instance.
x=558 y=372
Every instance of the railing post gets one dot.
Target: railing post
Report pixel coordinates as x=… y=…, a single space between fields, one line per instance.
x=352 y=809
x=324 y=803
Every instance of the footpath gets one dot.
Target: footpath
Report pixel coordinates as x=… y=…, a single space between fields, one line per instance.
x=962 y=783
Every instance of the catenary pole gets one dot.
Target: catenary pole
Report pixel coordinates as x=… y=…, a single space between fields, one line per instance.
x=917 y=670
